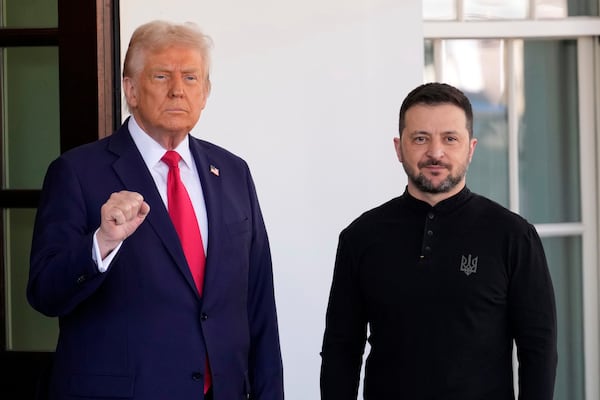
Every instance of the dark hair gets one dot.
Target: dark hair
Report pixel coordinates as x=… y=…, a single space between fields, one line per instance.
x=435 y=93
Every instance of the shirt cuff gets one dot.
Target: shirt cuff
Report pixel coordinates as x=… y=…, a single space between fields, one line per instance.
x=103 y=264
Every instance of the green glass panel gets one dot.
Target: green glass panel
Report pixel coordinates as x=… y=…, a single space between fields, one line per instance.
x=30 y=13
x=548 y=132
x=583 y=8
x=31 y=115
x=27 y=330
x=565 y=263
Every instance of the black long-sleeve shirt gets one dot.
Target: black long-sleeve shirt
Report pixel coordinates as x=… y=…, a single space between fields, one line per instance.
x=444 y=291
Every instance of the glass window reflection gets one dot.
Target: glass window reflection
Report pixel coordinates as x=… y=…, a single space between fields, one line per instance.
x=439 y=10
x=550 y=9
x=548 y=132
x=474 y=10
x=496 y=9
x=564 y=261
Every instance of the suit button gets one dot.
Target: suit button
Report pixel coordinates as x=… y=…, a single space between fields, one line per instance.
x=197 y=376
x=203 y=317
x=81 y=279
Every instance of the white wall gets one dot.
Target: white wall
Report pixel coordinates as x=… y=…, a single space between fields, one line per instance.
x=308 y=93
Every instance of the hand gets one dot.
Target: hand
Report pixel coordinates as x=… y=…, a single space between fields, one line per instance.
x=120 y=216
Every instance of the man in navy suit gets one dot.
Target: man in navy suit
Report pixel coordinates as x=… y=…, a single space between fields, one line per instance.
x=107 y=260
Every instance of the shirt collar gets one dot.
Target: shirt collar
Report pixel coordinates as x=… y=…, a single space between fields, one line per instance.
x=152 y=151
x=444 y=206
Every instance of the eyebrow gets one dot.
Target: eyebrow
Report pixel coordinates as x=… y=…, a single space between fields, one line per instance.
x=419 y=132
x=184 y=69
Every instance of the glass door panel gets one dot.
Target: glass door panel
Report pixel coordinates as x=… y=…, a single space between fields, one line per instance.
x=548 y=125
x=564 y=261
x=31 y=115
x=583 y=7
x=30 y=13
x=27 y=329
x=30 y=140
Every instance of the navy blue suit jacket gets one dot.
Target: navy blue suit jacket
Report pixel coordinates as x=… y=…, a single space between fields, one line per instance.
x=140 y=329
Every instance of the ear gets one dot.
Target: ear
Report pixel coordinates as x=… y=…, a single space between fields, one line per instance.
x=398 y=147
x=472 y=146
x=129 y=89
x=203 y=100
x=205 y=92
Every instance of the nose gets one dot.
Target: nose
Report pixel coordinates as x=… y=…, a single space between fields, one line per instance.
x=435 y=149
x=176 y=89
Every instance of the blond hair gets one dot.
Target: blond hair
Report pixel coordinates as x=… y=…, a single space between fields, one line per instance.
x=158 y=35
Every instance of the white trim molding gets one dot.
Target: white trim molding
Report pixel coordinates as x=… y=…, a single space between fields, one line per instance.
x=572 y=27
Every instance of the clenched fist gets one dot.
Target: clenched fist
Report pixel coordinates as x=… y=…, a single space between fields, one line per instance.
x=120 y=216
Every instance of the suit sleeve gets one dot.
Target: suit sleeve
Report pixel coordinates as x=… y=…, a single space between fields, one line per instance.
x=62 y=272
x=265 y=363
x=345 y=329
x=533 y=319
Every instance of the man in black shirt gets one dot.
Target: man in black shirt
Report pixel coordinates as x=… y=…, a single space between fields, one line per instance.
x=444 y=279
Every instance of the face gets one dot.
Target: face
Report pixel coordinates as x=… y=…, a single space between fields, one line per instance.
x=168 y=95
x=435 y=151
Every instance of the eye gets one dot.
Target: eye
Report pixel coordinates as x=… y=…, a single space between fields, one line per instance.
x=160 y=77
x=451 y=139
x=190 y=78
x=420 y=139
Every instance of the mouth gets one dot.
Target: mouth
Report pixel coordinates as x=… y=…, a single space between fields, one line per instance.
x=434 y=169
x=433 y=165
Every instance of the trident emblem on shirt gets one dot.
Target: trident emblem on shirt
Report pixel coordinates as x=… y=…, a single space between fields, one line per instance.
x=468 y=265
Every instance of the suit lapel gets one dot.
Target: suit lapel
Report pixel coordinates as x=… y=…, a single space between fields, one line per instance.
x=210 y=172
x=131 y=169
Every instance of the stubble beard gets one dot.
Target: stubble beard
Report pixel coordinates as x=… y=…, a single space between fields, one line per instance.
x=425 y=185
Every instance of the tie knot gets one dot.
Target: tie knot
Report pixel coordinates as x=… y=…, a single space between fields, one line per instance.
x=171 y=158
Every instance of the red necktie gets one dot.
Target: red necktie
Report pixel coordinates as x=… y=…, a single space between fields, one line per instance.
x=184 y=219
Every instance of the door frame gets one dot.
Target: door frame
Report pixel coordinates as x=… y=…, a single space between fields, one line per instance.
x=87 y=38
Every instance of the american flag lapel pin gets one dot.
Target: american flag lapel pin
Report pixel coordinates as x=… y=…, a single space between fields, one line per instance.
x=214 y=170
